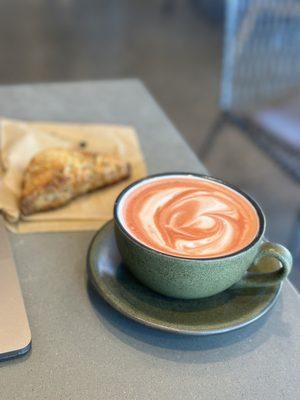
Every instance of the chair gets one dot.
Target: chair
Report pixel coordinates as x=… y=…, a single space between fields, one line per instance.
x=260 y=86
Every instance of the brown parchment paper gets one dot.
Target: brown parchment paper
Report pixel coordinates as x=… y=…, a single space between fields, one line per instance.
x=20 y=141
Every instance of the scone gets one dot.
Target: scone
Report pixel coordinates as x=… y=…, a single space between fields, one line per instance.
x=56 y=176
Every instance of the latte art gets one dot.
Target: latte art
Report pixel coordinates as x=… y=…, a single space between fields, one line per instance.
x=189 y=217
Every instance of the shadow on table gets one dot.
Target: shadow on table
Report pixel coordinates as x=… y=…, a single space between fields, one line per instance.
x=189 y=349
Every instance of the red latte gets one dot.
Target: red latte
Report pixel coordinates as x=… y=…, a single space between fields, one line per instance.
x=189 y=216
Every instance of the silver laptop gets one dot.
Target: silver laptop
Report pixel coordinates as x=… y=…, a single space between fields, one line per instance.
x=15 y=335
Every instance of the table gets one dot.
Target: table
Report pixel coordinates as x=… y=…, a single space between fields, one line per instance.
x=82 y=348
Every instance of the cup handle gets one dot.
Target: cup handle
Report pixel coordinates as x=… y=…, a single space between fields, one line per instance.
x=273 y=250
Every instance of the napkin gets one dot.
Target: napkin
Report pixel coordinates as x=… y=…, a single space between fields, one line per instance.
x=21 y=140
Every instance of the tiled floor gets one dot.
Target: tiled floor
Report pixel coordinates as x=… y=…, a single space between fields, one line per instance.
x=177 y=52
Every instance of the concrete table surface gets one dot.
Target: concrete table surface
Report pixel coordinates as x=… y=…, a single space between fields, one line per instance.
x=82 y=348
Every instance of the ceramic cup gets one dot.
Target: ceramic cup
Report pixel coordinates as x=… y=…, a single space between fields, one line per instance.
x=190 y=278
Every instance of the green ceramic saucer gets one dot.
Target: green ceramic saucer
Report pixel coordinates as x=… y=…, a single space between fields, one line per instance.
x=221 y=313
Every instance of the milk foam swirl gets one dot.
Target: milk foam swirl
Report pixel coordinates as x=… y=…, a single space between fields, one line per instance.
x=193 y=218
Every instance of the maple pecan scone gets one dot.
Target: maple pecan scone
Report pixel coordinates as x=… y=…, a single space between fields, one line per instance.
x=56 y=176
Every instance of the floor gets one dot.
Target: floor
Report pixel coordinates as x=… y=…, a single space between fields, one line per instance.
x=175 y=47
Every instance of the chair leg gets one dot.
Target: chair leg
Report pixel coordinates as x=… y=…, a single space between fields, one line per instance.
x=212 y=135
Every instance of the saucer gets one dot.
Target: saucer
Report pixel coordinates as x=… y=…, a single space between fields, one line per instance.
x=224 y=312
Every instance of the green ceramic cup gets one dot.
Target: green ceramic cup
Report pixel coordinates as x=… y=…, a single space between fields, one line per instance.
x=188 y=278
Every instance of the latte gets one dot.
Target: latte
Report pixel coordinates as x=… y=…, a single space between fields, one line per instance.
x=188 y=216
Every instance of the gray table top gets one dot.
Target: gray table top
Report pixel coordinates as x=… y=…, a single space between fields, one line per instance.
x=82 y=348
